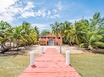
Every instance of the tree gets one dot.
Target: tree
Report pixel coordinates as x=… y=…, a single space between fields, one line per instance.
x=94 y=31
x=17 y=35
x=65 y=31
x=37 y=31
x=45 y=32
x=55 y=28
x=4 y=26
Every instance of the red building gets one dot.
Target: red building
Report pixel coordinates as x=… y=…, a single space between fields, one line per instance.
x=50 y=39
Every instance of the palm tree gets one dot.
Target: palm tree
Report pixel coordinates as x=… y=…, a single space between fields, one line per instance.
x=94 y=31
x=45 y=32
x=55 y=28
x=4 y=26
x=37 y=31
x=26 y=29
x=17 y=35
x=65 y=30
x=33 y=36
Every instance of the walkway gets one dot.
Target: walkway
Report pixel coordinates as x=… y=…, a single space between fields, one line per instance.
x=73 y=49
x=50 y=64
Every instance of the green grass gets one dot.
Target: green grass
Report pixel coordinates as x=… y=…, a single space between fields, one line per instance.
x=12 y=66
x=89 y=64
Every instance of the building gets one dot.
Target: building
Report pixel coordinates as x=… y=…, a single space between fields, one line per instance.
x=50 y=39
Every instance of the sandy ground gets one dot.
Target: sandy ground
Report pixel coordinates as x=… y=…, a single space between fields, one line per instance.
x=38 y=49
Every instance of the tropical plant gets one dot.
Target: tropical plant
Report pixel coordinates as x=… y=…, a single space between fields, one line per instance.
x=45 y=32
x=37 y=31
x=55 y=28
x=4 y=26
x=84 y=33
x=65 y=29
x=94 y=31
x=20 y=35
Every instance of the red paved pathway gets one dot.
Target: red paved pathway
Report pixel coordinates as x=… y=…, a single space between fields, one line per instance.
x=50 y=64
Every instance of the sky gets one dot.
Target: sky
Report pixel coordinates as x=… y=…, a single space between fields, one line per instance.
x=42 y=13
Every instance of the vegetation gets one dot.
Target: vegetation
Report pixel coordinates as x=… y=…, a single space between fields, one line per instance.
x=84 y=33
x=45 y=31
x=88 y=64
x=13 y=66
x=21 y=35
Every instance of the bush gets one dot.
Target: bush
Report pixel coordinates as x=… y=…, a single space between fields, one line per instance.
x=83 y=45
x=99 y=44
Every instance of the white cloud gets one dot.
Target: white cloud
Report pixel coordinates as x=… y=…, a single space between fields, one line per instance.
x=10 y=8
x=41 y=12
x=77 y=19
x=55 y=16
x=49 y=12
x=27 y=11
x=29 y=6
x=5 y=3
x=73 y=20
x=59 y=6
x=55 y=11
x=27 y=14
x=6 y=10
x=41 y=26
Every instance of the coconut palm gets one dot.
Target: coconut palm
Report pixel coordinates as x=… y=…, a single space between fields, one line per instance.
x=4 y=26
x=65 y=31
x=17 y=35
x=33 y=36
x=55 y=28
x=94 y=31
x=45 y=32
x=26 y=29
x=37 y=31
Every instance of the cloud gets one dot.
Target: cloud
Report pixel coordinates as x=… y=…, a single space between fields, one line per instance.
x=59 y=5
x=12 y=10
x=55 y=11
x=73 y=20
x=49 y=12
x=78 y=19
x=41 y=12
x=29 y=6
x=40 y=2
x=5 y=10
x=27 y=14
x=9 y=9
x=41 y=26
x=27 y=11
x=55 y=16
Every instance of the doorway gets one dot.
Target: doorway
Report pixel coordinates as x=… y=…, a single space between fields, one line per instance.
x=51 y=42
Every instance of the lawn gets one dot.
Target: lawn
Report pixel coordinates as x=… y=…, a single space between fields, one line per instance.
x=87 y=64
x=12 y=66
